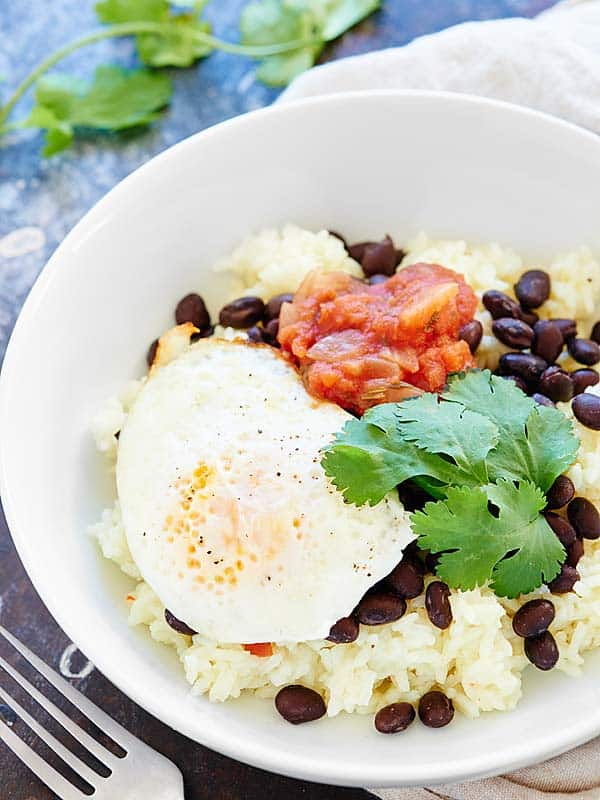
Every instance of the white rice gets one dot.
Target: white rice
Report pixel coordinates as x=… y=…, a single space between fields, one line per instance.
x=276 y=261
x=478 y=661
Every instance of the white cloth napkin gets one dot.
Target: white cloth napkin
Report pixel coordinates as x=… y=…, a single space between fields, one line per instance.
x=552 y=64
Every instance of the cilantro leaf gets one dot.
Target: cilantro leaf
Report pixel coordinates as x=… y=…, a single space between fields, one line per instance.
x=314 y=22
x=268 y=22
x=397 y=441
x=488 y=453
x=180 y=46
x=536 y=443
x=59 y=134
x=496 y=398
x=483 y=428
x=461 y=524
x=441 y=427
x=115 y=11
x=539 y=450
x=118 y=99
x=365 y=463
x=345 y=14
x=282 y=69
x=516 y=549
x=539 y=552
x=114 y=100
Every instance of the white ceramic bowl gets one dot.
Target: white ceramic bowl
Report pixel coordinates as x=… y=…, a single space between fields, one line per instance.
x=364 y=164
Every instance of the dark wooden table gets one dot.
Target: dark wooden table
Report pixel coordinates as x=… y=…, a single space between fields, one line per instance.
x=50 y=197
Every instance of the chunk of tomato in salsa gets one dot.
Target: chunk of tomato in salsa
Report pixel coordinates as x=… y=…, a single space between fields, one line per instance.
x=359 y=345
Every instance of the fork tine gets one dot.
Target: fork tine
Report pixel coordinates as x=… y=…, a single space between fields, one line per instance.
x=94 y=747
x=53 y=779
x=97 y=716
x=80 y=767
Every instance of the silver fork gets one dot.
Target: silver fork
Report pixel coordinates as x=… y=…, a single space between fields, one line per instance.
x=140 y=774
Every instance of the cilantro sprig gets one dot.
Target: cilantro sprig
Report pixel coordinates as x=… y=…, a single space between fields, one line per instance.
x=488 y=454
x=314 y=22
x=115 y=99
x=286 y=36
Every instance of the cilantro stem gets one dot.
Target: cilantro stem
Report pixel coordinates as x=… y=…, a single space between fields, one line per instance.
x=131 y=29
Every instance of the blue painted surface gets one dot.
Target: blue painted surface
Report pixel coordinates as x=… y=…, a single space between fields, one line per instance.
x=53 y=195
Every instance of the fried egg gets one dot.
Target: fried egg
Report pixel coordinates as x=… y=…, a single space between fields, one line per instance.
x=227 y=510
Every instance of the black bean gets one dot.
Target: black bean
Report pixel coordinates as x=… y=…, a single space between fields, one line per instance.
x=242 y=313
x=394 y=718
x=151 y=354
x=205 y=334
x=533 y=288
x=431 y=561
x=556 y=384
x=585 y=351
x=340 y=237
x=542 y=650
x=375 y=279
x=271 y=330
x=548 y=340
x=568 y=327
x=595 y=334
x=586 y=408
x=564 y=581
x=533 y=618
x=344 y=631
x=255 y=334
x=500 y=305
x=298 y=704
x=191 y=308
x=273 y=307
x=437 y=603
x=562 y=528
x=418 y=562
x=356 y=251
x=560 y=493
x=415 y=556
x=379 y=258
x=574 y=553
x=412 y=497
x=412 y=550
x=517 y=381
x=513 y=332
x=582 y=378
x=471 y=333
x=406 y=579
x=435 y=710
x=542 y=400
x=380 y=607
x=178 y=625
x=524 y=365
x=529 y=316
x=584 y=517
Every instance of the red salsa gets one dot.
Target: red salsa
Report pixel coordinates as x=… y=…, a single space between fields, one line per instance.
x=359 y=345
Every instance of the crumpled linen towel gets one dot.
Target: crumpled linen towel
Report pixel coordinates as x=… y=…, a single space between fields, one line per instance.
x=552 y=64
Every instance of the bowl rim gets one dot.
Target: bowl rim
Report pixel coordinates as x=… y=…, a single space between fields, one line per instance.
x=250 y=750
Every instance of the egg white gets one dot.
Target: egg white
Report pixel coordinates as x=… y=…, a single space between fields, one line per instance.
x=227 y=511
